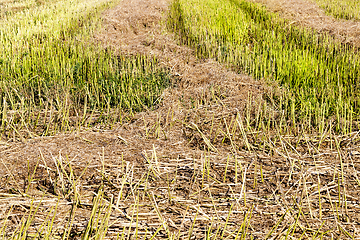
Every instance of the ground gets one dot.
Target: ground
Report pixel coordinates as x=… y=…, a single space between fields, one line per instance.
x=175 y=170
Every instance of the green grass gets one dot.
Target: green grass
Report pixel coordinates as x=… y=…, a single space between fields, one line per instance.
x=345 y=9
x=318 y=75
x=10 y=7
x=54 y=78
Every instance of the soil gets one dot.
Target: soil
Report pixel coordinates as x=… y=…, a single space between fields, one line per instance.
x=170 y=146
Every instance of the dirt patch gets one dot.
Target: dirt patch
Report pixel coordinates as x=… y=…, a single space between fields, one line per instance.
x=308 y=14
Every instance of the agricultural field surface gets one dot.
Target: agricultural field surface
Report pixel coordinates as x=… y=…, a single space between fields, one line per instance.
x=179 y=119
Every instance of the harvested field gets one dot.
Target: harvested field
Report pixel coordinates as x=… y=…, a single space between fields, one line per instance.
x=214 y=157
x=309 y=14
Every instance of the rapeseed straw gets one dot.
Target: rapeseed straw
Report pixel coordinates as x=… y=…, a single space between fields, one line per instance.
x=345 y=9
x=206 y=164
x=318 y=75
x=54 y=78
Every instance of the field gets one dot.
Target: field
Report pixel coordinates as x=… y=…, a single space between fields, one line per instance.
x=54 y=79
x=156 y=119
x=344 y=9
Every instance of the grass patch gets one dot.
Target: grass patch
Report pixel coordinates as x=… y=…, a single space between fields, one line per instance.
x=344 y=9
x=53 y=78
x=318 y=75
x=10 y=7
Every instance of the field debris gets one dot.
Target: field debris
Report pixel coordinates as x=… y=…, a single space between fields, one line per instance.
x=213 y=159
